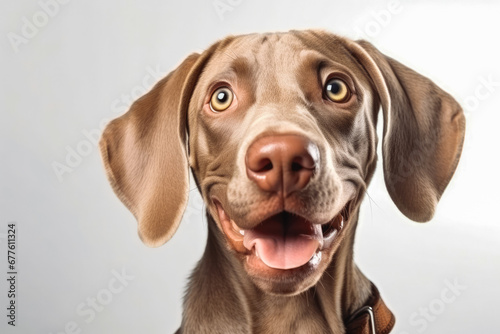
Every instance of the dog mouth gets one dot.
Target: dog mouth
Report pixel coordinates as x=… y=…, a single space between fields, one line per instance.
x=283 y=241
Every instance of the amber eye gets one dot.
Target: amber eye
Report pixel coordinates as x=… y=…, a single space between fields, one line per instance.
x=221 y=99
x=336 y=90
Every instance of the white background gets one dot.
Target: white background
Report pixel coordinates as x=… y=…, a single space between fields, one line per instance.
x=70 y=74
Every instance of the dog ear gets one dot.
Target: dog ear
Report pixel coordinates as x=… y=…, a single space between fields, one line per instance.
x=423 y=132
x=144 y=153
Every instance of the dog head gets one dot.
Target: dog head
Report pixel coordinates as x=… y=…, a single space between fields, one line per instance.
x=280 y=133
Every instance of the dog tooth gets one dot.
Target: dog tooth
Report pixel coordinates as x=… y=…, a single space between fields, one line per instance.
x=316 y=258
x=242 y=232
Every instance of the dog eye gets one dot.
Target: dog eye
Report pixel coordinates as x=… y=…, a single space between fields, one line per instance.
x=336 y=90
x=221 y=99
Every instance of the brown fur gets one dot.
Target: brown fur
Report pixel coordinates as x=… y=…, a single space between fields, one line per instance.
x=277 y=80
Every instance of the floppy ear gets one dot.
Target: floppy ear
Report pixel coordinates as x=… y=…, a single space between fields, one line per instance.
x=144 y=153
x=423 y=132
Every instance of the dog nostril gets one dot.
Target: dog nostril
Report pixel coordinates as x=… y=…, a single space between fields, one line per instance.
x=296 y=166
x=266 y=165
x=262 y=166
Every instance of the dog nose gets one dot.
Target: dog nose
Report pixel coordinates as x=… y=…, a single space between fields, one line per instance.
x=281 y=163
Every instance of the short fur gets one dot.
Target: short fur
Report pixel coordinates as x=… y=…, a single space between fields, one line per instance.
x=277 y=80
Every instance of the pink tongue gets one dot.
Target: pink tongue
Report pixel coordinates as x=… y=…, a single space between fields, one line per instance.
x=284 y=247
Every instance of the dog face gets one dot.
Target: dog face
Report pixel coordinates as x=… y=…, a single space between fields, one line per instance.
x=280 y=133
x=279 y=162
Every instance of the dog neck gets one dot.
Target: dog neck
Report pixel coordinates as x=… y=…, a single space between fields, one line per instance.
x=230 y=302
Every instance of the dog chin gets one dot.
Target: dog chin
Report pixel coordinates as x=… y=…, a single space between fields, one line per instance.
x=285 y=254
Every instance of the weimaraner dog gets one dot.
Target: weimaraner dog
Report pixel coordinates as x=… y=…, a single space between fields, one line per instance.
x=279 y=131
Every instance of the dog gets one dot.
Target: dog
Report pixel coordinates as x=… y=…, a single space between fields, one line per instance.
x=279 y=131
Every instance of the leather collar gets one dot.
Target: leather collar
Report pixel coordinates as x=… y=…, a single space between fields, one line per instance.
x=373 y=318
